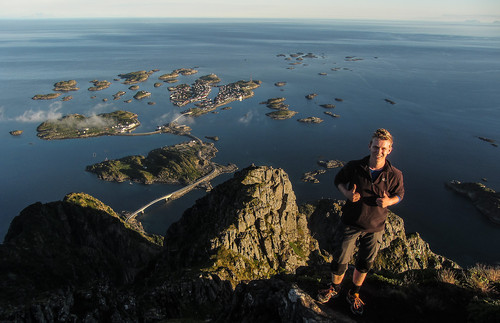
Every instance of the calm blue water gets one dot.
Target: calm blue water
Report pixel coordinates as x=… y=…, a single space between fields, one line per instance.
x=445 y=79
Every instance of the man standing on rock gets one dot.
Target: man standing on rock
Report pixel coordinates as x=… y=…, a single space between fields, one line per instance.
x=370 y=185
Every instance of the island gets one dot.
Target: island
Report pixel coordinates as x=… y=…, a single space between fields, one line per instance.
x=49 y=96
x=99 y=85
x=327 y=106
x=136 y=77
x=281 y=114
x=331 y=114
x=66 y=86
x=78 y=126
x=310 y=120
x=279 y=84
x=175 y=74
x=276 y=104
x=331 y=163
x=310 y=177
x=311 y=96
x=118 y=95
x=183 y=163
x=228 y=93
x=141 y=95
x=169 y=76
x=488 y=140
x=485 y=199
x=175 y=128
x=16 y=132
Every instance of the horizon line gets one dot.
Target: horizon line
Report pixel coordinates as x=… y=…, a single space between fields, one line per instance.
x=471 y=21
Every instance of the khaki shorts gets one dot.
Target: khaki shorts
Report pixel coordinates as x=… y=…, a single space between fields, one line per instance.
x=347 y=238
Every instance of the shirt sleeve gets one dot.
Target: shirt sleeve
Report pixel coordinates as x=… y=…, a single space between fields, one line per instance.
x=344 y=176
x=398 y=185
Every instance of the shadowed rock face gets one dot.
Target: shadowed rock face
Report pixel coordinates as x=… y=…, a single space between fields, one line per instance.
x=74 y=242
x=243 y=252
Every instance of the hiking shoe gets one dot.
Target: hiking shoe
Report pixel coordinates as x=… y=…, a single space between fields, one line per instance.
x=324 y=295
x=356 y=303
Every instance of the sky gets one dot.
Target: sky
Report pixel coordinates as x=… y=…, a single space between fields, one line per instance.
x=436 y=10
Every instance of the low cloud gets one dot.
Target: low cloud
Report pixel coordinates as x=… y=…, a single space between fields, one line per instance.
x=101 y=108
x=40 y=115
x=173 y=116
x=247 y=118
x=91 y=122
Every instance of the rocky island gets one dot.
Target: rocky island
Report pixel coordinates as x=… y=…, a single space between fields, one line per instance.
x=333 y=115
x=66 y=86
x=135 y=77
x=310 y=120
x=179 y=164
x=141 y=95
x=99 y=85
x=244 y=252
x=276 y=104
x=281 y=114
x=228 y=93
x=78 y=126
x=49 y=96
x=16 y=132
x=331 y=163
x=486 y=200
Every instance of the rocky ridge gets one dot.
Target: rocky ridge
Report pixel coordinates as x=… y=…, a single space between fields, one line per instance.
x=245 y=252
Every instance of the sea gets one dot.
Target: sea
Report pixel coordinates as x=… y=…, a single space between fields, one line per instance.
x=444 y=79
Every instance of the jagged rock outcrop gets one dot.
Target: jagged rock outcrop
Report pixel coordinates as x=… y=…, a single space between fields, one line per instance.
x=247 y=228
x=56 y=248
x=245 y=252
x=399 y=252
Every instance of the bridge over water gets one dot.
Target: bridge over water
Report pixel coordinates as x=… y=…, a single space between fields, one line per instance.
x=180 y=192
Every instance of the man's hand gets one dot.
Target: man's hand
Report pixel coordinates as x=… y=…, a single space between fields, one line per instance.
x=384 y=201
x=353 y=196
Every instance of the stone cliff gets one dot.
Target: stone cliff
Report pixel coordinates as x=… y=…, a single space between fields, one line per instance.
x=246 y=228
x=245 y=252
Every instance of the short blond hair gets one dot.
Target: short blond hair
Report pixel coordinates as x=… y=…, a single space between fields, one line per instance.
x=382 y=134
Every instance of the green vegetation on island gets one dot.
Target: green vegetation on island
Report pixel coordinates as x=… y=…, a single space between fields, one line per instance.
x=135 y=77
x=169 y=76
x=210 y=78
x=276 y=104
x=78 y=126
x=182 y=163
x=66 y=86
x=281 y=114
x=141 y=95
x=49 y=96
x=99 y=85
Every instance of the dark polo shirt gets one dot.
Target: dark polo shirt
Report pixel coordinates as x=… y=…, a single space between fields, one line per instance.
x=366 y=214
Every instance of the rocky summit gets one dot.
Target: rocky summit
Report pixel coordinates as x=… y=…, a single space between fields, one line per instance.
x=245 y=252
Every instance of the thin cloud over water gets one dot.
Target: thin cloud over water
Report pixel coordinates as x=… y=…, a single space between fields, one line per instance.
x=40 y=115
